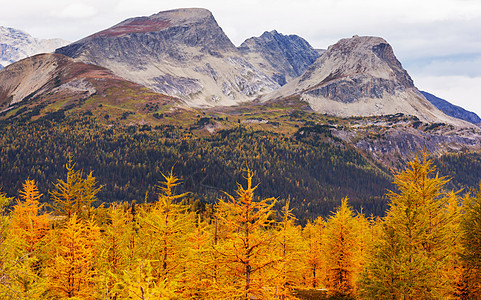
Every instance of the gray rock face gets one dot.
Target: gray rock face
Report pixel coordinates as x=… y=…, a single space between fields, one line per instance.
x=287 y=56
x=161 y=36
x=16 y=45
x=365 y=67
x=361 y=76
x=181 y=52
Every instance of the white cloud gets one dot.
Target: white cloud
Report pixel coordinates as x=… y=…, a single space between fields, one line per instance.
x=77 y=10
x=459 y=90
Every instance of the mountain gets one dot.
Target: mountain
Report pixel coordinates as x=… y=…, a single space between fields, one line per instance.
x=46 y=83
x=451 y=109
x=287 y=56
x=16 y=45
x=182 y=53
x=361 y=76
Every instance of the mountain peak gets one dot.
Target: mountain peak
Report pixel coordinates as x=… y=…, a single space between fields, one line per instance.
x=184 y=15
x=361 y=76
x=364 y=56
x=182 y=53
x=287 y=56
x=16 y=44
x=157 y=22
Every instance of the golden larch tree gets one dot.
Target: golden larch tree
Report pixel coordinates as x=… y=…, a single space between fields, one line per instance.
x=415 y=245
x=28 y=229
x=314 y=270
x=247 y=253
x=72 y=270
x=341 y=250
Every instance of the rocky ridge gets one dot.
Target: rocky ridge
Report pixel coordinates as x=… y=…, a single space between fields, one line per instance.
x=16 y=45
x=361 y=76
x=287 y=56
x=182 y=53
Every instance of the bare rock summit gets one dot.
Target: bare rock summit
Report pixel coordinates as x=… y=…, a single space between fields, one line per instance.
x=361 y=76
x=283 y=57
x=16 y=45
x=182 y=53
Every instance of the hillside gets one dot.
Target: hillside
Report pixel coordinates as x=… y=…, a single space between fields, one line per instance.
x=315 y=160
x=50 y=83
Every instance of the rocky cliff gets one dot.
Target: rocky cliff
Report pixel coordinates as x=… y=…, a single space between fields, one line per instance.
x=361 y=76
x=181 y=52
x=16 y=45
x=282 y=57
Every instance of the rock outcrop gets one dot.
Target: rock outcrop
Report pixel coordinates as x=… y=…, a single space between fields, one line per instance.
x=361 y=76
x=181 y=52
x=16 y=45
x=282 y=57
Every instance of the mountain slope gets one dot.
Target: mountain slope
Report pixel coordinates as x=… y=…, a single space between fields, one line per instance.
x=283 y=57
x=361 y=76
x=16 y=45
x=49 y=82
x=451 y=109
x=181 y=53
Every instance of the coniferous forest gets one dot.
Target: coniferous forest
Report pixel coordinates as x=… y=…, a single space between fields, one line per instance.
x=313 y=169
x=427 y=246
x=128 y=161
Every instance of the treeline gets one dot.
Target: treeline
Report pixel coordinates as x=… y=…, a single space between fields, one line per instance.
x=311 y=168
x=426 y=247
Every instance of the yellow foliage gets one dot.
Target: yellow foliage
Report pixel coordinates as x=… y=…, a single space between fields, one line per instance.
x=72 y=271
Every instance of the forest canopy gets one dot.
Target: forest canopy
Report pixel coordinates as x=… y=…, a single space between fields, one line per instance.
x=239 y=247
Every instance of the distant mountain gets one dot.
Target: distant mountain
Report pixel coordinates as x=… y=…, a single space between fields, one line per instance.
x=182 y=53
x=451 y=109
x=16 y=45
x=1 y=67
x=361 y=76
x=288 y=56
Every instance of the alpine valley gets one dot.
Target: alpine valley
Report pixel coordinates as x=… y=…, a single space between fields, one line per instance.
x=172 y=91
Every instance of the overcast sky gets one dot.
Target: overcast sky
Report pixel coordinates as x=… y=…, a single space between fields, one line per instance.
x=437 y=41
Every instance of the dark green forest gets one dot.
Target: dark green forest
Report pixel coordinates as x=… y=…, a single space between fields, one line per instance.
x=312 y=168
